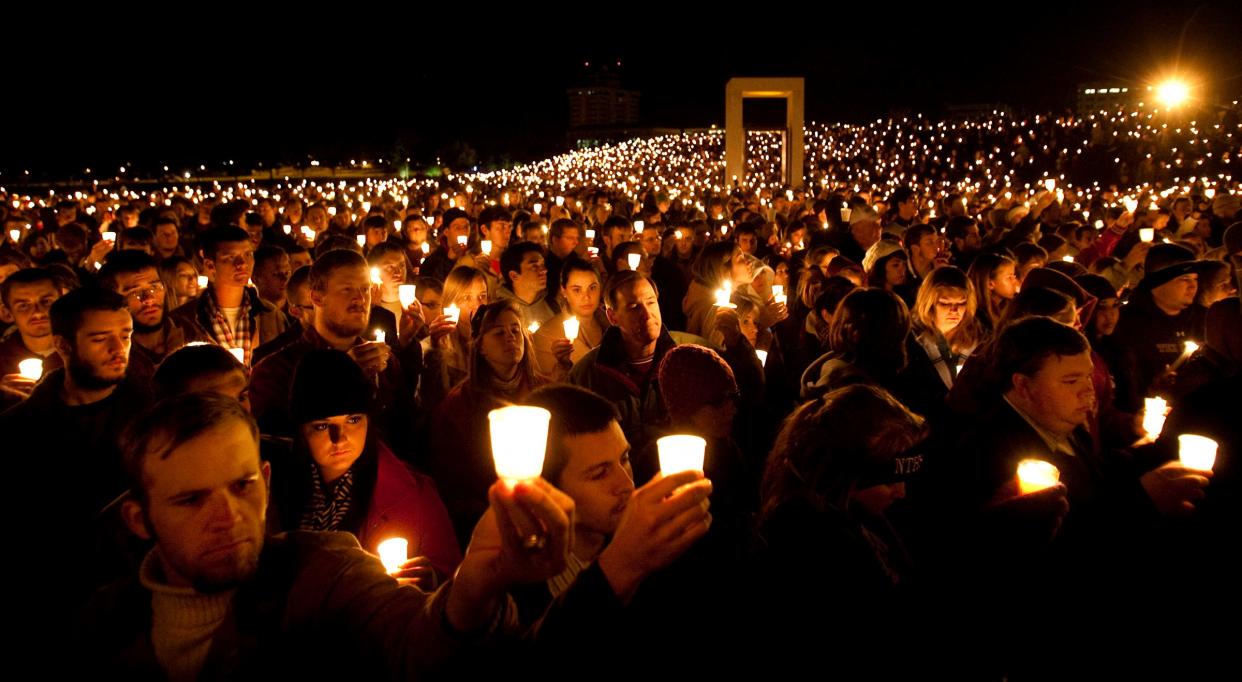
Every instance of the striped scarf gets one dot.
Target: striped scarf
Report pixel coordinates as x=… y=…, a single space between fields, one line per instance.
x=329 y=503
x=240 y=336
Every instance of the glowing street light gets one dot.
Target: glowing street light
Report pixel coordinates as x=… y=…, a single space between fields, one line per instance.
x=1172 y=93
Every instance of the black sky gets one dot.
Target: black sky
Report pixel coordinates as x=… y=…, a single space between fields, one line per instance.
x=96 y=90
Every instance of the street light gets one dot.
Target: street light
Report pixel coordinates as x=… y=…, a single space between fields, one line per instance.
x=1172 y=93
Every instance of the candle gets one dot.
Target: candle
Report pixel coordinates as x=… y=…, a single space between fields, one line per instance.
x=681 y=453
x=380 y=336
x=486 y=245
x=538 y=208
x=1153 y=416
x=533 y=327
x=392 y=553
x=202 y=281
x=1131 y=205
x=288 y=229
x=1147 y=234
x=1050 y=184
x=571 y=326
x=109 y=236
x=1067 y=259
x=239 y=353
x=1099 y=224
x=396 y=225
x=639 y=226
x=634 y=259
x=375 y=276
x=519 y=440
x=451 y=313
x=1209 y=193
x=593 y=250
x=1035 y=475
x=462 y=239
x=590 y=234
x=1196 y=452
x=677 y=234
x=31 y=369
x=778 y=293
x=405 y=292
x=15 y=235
x=723 y=294
x=845 y=214
x=763 y=356
x=362 y=239
x=425 y=247
x=560 y=201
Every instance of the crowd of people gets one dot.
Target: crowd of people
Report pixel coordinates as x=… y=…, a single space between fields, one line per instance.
x=238 y=393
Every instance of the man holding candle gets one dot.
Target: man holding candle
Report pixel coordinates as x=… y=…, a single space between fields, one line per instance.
x=340 y=288
x=27 y=296
x=216 y=594
x=230 y=312
x=1155 y=324
x=525 y=282
x=450 y=251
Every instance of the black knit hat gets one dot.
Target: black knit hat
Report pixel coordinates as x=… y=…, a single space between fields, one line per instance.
x=328 y=383
x=1165 y=263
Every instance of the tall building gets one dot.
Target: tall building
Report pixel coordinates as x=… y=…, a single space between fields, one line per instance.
x=1093 y=97
x=600 y=109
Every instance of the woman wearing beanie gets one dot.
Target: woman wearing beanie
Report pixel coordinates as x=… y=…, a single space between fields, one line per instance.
x=886 y=266
x=342 y=477
x=502 y=372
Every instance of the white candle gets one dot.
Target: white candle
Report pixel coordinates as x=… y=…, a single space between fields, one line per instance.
x=571 y=326
x=380 y=336
x=462 y=239
x=593 y=250
x=845 y=214
x=1067 y=259
x=778 y=293
x=538 y=208
x=31 y=369
x=451 y=313
x=406 y=294
x=634 y=259
x=15 y=235
x=393 y=552
x=1153 y=416
x=1050 y=184
x=1131 y=205
x=560 y=201
x=362 y=239
x=1035 y=475
x=533 y=327
x=426 y=248
x=396 y=225
x=202 y=281
x=590 y=234
x=639 y=226
x=109 y=236
x=681 y=453
x=486 y=246
x=1147 y=234
x=519 y=440
x=375 y=276
x=1196 y=452
x=1099 y=224
x=288 y=229
x=723 y=294
x=239 y=353
x=763 y=356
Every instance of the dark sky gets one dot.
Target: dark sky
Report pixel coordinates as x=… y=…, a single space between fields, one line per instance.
x=89 y=90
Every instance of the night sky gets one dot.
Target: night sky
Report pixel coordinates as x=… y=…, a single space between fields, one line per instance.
x=90 y=91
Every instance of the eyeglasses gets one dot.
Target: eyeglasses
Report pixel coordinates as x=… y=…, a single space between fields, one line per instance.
x=140 y=295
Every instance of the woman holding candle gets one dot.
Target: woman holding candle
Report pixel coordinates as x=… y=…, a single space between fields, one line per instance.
x=719 y=265
x=446 y=350
x=342 y=477
x=502 y=371
x=581 y=292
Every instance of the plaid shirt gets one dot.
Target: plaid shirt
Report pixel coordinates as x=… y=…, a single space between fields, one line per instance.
x=240 y=336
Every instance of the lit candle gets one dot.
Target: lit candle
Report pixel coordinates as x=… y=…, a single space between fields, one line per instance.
x=1131 y=205
x=677 y=234
x=681 y=453
x=375 y=276
x=845 y=214
x=1050 y=184
x=560 y=201
x=538 y=208
x=763 y=356
x=533 y=327
x=452 y=313
x=1196 y=452
x=462 y=239
x=396 y=225
x=593 y=250
x=109 y=236
x=1099 y=224
x=405 y=293
x=1147 y=234
x=634 y=259
x=31 y=369
x=519 y=440
x=15 y=235
x=571 y=326
x=778 y=293
x=288 y=229
x=380 y=336
x=639 y=226
x=723 y=294
x=1035 y=475
x=425 y=247
x=486 y=245
x=202 y=281
x=1067 y=259
x=362 y=239
x=590 y=234
x=392 y=553
x=1153 y=416
x=1189 y=349
x=239 y=353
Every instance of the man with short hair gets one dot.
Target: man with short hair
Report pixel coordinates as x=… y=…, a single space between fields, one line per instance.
x=450 y=248
x=134 y=275
x=271 y=272
x=622 y=368
x=496 y=226
x=905 y=211
x=340 y=291
x=229 y=312
x=964 y=239
x=27 y=296
x=167 y=238
x=216 y=595
x=563 y=237
x=617 y=231
x=526 y=283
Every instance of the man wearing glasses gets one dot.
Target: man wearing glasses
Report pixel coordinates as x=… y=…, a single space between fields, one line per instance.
x=230 y=312
x=134 y=275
